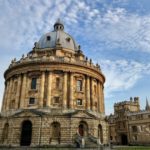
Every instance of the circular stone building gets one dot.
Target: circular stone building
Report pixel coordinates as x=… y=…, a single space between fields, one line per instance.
x=53 y=96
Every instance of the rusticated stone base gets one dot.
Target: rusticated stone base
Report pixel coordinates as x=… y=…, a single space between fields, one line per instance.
x=44 y=124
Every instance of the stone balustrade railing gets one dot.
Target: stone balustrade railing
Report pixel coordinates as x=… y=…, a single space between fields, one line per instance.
x=55 y=59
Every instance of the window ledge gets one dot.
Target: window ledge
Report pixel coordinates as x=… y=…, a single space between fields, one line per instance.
x=32 y=104
x=79 y=92
x=33 y=90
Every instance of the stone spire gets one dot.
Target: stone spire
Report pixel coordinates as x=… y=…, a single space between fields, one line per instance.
x=147 y=107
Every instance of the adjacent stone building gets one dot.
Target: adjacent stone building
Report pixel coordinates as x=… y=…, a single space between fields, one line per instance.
x=53 y=96
x=130 y=125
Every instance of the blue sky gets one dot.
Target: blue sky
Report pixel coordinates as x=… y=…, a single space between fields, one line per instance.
x=114 y=33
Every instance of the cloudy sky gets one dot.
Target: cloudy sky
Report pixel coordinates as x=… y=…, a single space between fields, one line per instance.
x=114 y=33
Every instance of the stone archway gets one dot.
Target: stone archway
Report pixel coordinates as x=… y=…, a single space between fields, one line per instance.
x=26 y=133
x=100 y=133
x=83 y=128
x=124 y=139
x=55 y=133
x=5 y=133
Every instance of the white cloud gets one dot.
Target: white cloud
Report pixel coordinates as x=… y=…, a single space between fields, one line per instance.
x=99 y=25
x=122 y=75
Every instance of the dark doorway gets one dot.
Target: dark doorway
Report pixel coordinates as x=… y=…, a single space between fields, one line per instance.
x=83 y=128
x=124 y=139
x=26 y=133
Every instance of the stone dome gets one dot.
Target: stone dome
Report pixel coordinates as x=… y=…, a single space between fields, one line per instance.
x=58 y=36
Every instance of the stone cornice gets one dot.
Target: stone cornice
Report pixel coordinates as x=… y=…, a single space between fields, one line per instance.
x=42 y=65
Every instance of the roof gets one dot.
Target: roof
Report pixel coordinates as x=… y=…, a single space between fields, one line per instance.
x=58 y=36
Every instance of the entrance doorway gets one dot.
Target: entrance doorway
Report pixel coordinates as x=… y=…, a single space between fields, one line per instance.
x=26 y=133
x=83 y=128
x=124 y=139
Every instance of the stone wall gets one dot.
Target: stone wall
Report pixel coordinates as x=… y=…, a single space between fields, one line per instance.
x=42 y=132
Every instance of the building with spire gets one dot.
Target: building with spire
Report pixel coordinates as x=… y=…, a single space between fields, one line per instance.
x=147 y=107
x=54 y=95
x=129 y=125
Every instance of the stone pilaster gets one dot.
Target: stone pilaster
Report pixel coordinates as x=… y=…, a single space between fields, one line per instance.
x=103 y=107
x=92 y=95
x=28 y=87
x=17 y=96
x=71 y=90
x=23 y=91
x=98 y=97
x=88 y=93
x=65 y=91
x=101 y=98
x=9 y=94
x=48 y=102
x=42 y=90
x=4 y=97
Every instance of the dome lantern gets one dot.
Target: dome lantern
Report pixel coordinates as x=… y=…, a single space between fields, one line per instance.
x=58 y=25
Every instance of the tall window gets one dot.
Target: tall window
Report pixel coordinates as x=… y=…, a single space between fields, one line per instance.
x=95 y=89
x=79 y=85
x=15 y=87
x=12 y=104
x=33 y=83
x=57 y=82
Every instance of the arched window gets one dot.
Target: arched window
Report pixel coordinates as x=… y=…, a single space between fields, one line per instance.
x=57 y=82
x=5 y=133
x=79 y=85
x=33 y=83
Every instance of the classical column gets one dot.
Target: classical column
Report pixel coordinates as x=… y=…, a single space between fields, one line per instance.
x=98 y=97
x=18 y=92
x=92 y=95
x=4 y=97
x=88 y=92
x=42 y=89
x=23 y=91
x=65 y=91
x=71 y=90
x=9 y=94
x=103 y=107
x=101 y=97
x=48 y=102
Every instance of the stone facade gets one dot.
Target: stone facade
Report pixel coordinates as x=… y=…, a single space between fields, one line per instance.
x=54 y=95
x=129 y=124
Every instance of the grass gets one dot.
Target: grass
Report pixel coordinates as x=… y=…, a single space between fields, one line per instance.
x=133 y=148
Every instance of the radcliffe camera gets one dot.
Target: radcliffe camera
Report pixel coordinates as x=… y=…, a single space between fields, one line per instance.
x=75 y=75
